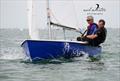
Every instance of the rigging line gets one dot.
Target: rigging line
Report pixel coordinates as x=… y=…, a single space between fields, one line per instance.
x=76 y=18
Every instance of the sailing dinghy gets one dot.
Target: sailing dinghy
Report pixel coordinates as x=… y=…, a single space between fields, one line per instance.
x=53 y=49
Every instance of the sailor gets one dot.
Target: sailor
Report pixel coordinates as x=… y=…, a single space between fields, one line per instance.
x=99 y=36
x=91 y=29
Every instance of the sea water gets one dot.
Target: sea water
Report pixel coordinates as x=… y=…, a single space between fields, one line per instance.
x=14 y=68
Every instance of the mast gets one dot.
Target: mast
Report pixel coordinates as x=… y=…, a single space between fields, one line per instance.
x=30 y=10
x=33 y=30
x=49 y=20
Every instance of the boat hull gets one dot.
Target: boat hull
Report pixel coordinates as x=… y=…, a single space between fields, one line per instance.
x=41 y=49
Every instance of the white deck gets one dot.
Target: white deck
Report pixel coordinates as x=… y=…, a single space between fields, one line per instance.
x=81 y=42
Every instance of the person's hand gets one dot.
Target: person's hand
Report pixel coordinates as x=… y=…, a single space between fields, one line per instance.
x=82 y=36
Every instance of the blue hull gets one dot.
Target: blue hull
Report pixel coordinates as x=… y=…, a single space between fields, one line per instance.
x=39 y=49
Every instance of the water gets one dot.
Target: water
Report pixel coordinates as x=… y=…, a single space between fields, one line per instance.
x=14 y=68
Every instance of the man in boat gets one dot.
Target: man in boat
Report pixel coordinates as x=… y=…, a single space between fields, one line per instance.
x=91 y=29
x=99 y=36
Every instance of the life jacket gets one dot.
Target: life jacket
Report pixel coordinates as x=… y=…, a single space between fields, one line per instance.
x=92 y=29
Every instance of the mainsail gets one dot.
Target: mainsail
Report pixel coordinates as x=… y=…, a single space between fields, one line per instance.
x=37 y=18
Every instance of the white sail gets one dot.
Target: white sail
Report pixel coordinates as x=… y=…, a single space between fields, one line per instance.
x=62 y=12
x=33 y=30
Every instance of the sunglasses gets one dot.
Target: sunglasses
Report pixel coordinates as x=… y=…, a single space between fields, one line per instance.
x=88 y=19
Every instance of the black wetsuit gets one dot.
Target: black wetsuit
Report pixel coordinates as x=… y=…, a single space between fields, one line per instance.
x=101 y=36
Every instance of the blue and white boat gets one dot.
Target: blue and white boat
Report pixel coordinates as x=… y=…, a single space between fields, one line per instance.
x=49 y=49
x=53 y=49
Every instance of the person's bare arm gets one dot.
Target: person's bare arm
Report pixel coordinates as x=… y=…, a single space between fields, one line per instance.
x=91 y=36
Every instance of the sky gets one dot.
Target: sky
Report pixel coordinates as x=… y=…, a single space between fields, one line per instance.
x=13 y=13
